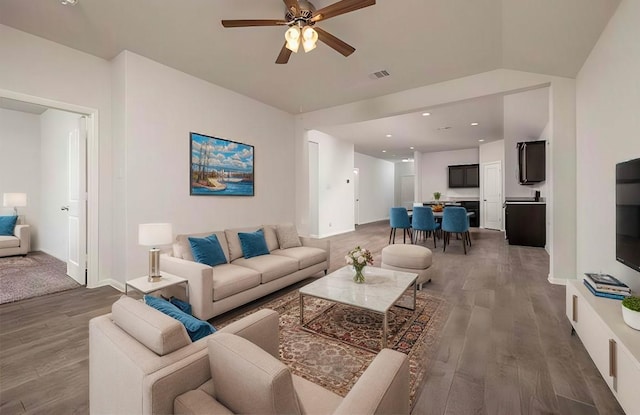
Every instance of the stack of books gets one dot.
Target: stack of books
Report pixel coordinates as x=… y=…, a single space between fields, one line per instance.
x=604 y=285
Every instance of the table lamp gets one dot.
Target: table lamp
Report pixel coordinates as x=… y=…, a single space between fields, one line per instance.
x=14 y=200
x=154 y=235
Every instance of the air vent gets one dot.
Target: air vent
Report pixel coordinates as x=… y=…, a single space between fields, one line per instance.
x=380 y=74
x=443 y=128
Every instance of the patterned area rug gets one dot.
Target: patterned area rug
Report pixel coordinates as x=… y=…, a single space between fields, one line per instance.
x=32 y=276
x=338 y=342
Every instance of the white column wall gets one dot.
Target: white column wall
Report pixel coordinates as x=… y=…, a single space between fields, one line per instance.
x=55 y=127
x=608 y=105
x=376 y=187
x=335 y=195
x=20 y=165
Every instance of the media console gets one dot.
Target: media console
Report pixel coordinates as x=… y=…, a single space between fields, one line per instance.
x=613 y=346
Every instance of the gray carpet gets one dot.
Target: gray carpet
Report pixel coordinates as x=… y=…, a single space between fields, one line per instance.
x=32 y=276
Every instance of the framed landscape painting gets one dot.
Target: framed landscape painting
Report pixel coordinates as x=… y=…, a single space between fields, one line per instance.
x=220 y=167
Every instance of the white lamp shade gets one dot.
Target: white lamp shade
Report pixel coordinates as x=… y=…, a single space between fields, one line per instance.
x=14 y=199
x=155 y=234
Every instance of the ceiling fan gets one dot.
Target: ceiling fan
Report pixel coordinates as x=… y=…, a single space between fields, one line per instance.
x=301 y=17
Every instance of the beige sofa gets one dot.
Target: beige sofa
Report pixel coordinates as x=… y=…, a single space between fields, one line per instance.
x=17 y=244
x=142 y=361
x=215 y=290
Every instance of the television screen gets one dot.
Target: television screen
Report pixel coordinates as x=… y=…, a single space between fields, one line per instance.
x=628 y=213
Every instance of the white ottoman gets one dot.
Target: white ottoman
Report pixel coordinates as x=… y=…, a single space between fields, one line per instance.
x=408 y=258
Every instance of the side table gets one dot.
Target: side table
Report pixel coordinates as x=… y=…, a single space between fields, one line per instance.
x=143 y=285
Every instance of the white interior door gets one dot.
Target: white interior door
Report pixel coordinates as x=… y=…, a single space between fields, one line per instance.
x=356 y=195
x=77 y=208
x=492 y=195
x=406 y=191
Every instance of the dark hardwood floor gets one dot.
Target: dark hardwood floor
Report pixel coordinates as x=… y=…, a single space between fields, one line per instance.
x=505 y=349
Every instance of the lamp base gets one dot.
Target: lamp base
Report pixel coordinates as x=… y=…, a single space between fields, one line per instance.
x=154 y=265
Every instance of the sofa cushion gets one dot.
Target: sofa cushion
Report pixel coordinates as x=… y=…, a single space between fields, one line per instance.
x=248 y=379
x=287 y=236
x=207 y=250
x=156 y=331
x=313 y=398
x=253 y=243
x=230 y=279
x=305 y=255
x=182 y=248
x=270 y=267
x=7 y=225
x=270 y=237
x=9 y=241
x=235 y=248
x=196 y=328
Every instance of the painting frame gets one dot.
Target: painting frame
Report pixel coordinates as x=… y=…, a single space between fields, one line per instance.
x=220 y=167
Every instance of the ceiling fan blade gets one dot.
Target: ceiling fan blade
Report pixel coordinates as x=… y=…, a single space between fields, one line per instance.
x=341 y=7
x=293 y=6
x=335 y=43
x=284 y=55
x=249 y=23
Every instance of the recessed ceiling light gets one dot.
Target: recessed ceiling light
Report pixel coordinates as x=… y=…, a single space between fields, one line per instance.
x=426 y=114
x=389 y=136
x=69 y=2
x=411 y=148
x=475 y=123
x=481 y=140
x=384 y=151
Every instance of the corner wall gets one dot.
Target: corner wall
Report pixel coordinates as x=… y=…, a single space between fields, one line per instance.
x=608 y=126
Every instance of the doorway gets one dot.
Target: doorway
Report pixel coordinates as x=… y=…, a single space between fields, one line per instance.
x=407 y=191
x=356 y=196
x=81 y=180
x=492 y=195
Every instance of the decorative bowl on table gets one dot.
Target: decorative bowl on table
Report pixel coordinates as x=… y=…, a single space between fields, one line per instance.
x=437 y=208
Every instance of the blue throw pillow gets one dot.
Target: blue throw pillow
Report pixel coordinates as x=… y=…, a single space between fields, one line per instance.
x=196 y=328
x=207 y=250
x=253 y=243
x=7 y=225
x=182 y=305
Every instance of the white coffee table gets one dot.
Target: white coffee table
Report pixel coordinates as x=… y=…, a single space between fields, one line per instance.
x=143 y=285
x=380 y=291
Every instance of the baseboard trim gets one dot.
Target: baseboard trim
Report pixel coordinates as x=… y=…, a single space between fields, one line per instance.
x=337 y=233
x=556 y=281
x=110 y=282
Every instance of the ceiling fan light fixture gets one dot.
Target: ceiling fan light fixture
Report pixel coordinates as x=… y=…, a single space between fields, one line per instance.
x=309 y=38
x=292 y=36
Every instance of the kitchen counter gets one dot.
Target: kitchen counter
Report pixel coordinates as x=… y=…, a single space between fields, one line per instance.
x=522 y=202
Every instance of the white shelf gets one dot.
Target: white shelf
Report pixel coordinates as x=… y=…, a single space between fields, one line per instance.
x=610 y=312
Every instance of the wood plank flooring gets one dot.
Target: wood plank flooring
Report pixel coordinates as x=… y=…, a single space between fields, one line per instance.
x=505 y=349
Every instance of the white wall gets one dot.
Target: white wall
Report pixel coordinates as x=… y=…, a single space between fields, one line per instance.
x=161 y=106
x=55 y=127
x=608 y=104
x=335 y=195
x=20 y=165
x=35 y=67
x=376 y=187
x=435 y=173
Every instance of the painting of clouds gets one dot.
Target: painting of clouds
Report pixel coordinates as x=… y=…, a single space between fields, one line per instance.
x=220 y=167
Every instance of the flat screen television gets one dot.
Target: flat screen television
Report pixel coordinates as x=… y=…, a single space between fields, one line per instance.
x=628 y=213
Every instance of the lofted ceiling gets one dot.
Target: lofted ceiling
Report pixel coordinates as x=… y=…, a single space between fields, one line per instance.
x=419 y=42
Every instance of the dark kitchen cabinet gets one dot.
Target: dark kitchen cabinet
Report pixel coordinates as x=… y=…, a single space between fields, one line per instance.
x=526 y=224
x=466 y=175
x=472 y=206
x=531 y=162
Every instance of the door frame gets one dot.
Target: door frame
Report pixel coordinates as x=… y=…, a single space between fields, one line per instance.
x=356 y=195
x=93 y=169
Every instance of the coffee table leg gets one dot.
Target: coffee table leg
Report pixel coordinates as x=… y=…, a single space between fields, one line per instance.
x=415 y=290
x=301 y=310
x=384 y=330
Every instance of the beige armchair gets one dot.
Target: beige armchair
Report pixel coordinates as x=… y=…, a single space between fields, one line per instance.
x=17 y=244
x=246 y=379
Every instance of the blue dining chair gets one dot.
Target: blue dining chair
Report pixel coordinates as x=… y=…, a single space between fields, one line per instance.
x=424 y=222
x=399 y=219
x=455 y=220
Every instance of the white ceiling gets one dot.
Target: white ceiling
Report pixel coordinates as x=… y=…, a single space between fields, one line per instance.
x=420 y=42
